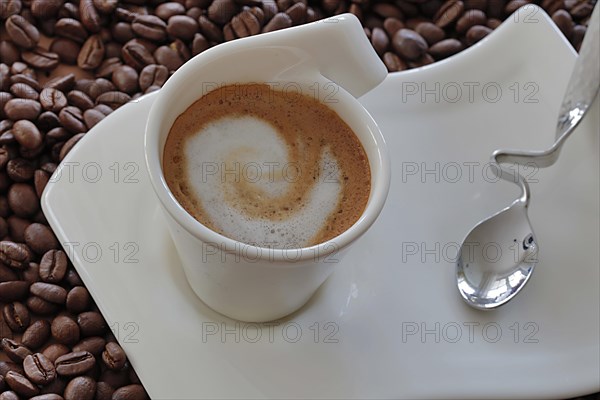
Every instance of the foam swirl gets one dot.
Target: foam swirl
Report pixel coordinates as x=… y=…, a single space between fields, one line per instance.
x=266 y=169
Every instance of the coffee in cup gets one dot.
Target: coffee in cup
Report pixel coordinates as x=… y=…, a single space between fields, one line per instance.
x=267 y=167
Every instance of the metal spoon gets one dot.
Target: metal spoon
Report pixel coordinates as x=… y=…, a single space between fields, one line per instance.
x=498 y=256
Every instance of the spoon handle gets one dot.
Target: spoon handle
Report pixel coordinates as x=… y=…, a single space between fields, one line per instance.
x=582 y=89
x=585 y=79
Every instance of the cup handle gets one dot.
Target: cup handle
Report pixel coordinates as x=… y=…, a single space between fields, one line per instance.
x=340 y=50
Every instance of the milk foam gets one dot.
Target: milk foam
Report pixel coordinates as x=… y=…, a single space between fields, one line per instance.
x=244 y=154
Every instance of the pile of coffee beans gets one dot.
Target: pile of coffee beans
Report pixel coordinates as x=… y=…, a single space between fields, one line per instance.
x=67 y=64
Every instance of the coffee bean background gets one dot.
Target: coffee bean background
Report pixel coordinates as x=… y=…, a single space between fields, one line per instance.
x=66 y=65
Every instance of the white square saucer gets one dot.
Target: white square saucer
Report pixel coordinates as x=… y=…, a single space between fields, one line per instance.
x=389 y=323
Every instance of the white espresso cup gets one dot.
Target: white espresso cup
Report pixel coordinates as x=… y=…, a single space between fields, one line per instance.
x=332 y=56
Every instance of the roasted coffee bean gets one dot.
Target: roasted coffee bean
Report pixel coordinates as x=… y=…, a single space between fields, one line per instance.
x=52 y=100
x=16 y=351
x=125 y=78
x=46 y=121
x=15 y=255
x=297 y=12
x=514 y=5
x=27 y=134
x=24 y=91
x=199 y=44
x=578 y=34
x=430 y=32
x=91 y=323
x=445 y=48
x=53 y=266
x=9 y=53
x=40 y=239
x=95 y=88
x=20 y=68
x=92 y=117
x=393 y=62
x=66 y=49
x=104 y=391
x=279 y=21
x=75 y=363
x=469 y=19
x=563 y=20
x=89 y=16
x=379 y=40
x=21 y=384
x=16 y=316
x=16 y=109
x=6 y=137
x=40 y=180
x=91 y=53
x=63 y=83
x=20 y=169
x=9 y=7
x=150 y=27
x=130 y=392
x=13 y=290
x=39 y=369
x=182 y=27
x=25 y=78
x=9 y=395
x=582 y=9
x=4 y=98
x=211 y=31
x=47 y=397
x=36 y=334
x=408 y=44
x=79 y=99
x=49 y=292
x=54 y=351
x=22 y=32
x=113 y=356
x=80 y=388
x=94 y=345
x=476 y=33
x=40 y=58
x=59 y=134
x=44 y=9
x=69 y=144
x=71 y=28
x=23 y=200
x=246 y=24
x=136 y=55
x=153 y=75
x=122 y=32
x=169 y=57
x=167 y=10
x=72 y=119
x=78 y=299
x=65 y=330
x=106 y=6
x=221 y=11
x=113 y=99
x=40 y=306
x=448 y=13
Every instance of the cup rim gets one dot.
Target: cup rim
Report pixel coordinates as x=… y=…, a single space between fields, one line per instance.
x=153 y=155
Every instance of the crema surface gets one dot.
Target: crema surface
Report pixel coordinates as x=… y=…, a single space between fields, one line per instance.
x=266 y=167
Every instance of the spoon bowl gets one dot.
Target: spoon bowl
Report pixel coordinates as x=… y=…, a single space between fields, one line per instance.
x=490 y=273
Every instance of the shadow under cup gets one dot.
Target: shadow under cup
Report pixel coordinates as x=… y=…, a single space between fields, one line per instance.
x=238 y=280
